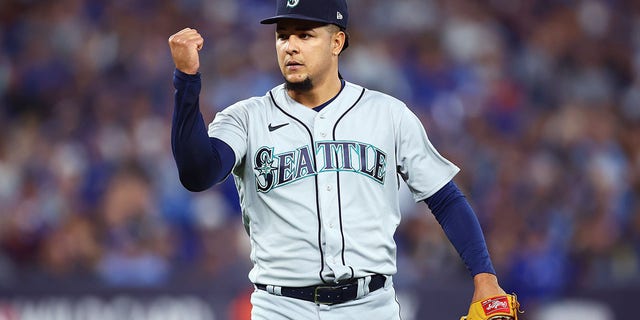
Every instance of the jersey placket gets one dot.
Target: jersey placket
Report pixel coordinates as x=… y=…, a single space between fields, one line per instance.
x=328 y=197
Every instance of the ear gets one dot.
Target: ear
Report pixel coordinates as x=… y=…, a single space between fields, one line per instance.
x=337 y=42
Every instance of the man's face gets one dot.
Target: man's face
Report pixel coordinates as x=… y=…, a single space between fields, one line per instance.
x=304 y=51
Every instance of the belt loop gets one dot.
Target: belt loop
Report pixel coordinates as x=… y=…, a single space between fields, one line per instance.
x=277 y=290
x=367 y=281
x=363 y=287
x=360 y=290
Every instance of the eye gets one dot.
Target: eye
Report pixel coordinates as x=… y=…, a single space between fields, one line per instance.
x=281 y=36
x=305 y=36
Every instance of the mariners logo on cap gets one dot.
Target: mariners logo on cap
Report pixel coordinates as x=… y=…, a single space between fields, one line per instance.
x=292 y=3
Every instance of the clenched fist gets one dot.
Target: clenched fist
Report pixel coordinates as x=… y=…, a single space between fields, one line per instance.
x=185 y=45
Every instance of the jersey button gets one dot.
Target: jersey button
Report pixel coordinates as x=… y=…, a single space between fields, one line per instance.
x=323 y=134
x=328 y=188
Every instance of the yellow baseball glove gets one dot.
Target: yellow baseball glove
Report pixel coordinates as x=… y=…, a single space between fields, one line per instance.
x=501 y=307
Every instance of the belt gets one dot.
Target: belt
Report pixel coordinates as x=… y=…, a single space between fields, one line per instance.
x=322 y=294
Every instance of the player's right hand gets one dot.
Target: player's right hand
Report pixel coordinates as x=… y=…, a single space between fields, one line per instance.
x=184 y=46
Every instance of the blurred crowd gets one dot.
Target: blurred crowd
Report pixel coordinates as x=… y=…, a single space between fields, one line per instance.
x=538 y=101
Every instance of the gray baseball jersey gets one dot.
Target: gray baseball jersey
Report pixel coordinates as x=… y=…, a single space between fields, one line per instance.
x=319 y=190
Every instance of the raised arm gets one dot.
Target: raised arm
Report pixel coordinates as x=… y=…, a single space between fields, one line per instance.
x=202 y=161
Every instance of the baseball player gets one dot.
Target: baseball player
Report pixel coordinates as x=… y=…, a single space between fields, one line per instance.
x=317 y=162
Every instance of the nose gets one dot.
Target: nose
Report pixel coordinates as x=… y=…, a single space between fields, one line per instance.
x=293 y=45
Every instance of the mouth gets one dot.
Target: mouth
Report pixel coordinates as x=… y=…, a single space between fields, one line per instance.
x=293 y=64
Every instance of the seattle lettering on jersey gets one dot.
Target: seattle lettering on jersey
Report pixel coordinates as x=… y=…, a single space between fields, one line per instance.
x=275 y=170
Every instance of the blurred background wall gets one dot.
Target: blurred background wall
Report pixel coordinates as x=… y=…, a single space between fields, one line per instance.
x=538 y=101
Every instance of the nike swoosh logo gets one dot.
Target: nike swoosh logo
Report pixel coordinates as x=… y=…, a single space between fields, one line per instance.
x=274 y=128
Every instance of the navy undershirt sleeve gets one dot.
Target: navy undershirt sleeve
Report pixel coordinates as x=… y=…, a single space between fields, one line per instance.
x=202 y=161
x=462 y=227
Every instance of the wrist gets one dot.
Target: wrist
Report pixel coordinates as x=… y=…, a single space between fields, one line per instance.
x=486 y=285
x=187 y=76
x=485 y=278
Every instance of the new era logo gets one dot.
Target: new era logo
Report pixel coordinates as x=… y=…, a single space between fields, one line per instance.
x=338 y=15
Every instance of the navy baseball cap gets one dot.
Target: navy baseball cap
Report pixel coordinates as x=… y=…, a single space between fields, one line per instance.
x=327 y=11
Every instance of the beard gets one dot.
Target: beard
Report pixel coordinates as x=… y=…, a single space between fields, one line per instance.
x=301 y=86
